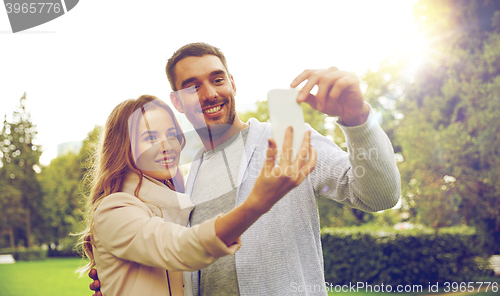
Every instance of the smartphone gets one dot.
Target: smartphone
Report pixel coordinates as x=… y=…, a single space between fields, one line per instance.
x=284 y=111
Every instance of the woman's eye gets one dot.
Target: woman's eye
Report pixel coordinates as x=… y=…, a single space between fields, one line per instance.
x=172 y=136
x=150 y=138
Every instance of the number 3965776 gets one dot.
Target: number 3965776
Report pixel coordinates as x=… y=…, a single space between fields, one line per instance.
x=33 y=7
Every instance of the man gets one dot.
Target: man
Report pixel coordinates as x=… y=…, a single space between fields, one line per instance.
x=281 y=253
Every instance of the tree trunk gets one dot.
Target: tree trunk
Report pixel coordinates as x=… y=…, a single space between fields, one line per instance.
x=28 y=228
x=11 y=237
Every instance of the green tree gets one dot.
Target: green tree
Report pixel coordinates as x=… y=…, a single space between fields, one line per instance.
x=10 y=207
x=449 y=134
x=64 y=188
x=20 y=157
x=61 y=181
x=384 y=87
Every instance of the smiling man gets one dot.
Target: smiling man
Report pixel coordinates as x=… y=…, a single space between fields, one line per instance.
x=205 y=92
x=281 y=253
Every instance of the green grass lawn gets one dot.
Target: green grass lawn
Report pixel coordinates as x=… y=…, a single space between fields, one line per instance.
x=57 y=277
x=43 y=278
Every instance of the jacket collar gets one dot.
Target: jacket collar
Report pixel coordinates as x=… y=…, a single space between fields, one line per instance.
x=173 y=206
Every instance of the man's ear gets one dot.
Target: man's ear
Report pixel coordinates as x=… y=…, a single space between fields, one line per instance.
x=176 y=101
x=233 y=85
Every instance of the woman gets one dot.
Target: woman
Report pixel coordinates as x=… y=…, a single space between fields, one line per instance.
x=137 y=215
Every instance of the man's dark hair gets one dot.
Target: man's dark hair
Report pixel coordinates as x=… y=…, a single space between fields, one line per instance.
x=198 y=49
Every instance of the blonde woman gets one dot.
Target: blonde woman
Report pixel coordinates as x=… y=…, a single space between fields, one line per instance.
x=136 y=236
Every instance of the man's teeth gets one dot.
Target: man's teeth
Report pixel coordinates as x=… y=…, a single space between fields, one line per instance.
x=168 y=161
x=212 y=110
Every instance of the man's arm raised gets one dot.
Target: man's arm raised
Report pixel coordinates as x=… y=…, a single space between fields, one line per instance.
x=367 y=177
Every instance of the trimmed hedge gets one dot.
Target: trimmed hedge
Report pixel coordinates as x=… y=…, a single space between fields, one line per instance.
x=67 y=252
x=25 y=254
x=399 y=258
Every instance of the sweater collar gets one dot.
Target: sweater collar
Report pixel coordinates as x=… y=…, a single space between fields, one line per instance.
x=258 y=133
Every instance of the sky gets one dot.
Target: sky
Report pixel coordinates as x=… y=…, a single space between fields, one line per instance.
x=78 y=67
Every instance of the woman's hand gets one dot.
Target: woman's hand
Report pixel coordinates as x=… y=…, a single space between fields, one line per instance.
x=275 y=181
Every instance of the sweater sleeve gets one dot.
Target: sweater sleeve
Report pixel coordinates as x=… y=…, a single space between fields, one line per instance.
x=125 y=227
x=367 y=177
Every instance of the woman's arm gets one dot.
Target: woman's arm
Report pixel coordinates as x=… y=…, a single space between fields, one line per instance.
x=128 y=232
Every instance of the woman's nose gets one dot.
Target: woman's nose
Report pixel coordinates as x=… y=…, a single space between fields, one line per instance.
x=166 y=146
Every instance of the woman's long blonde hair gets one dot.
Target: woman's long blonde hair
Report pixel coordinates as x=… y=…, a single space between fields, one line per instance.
x=113 y=161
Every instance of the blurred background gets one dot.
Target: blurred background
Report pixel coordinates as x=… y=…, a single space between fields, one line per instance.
x=430 y=69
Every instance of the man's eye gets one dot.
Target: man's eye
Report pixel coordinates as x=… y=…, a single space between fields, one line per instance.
x=192 y=89
x=219 y=80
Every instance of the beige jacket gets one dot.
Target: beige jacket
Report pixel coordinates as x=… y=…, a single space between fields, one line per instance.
x=134 y=246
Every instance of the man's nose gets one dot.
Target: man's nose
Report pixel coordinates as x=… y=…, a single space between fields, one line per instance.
x=208 y=92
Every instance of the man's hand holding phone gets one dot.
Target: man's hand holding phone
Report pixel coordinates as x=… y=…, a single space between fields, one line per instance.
x=338 y=94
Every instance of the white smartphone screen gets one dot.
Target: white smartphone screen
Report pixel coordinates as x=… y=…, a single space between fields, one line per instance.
x=284 y=111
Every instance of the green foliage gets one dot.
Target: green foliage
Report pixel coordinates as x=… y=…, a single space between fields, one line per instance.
x=64 y=189
x=11 y=209
x=334 y=214
x=50 y=202
x=69 y=251
x=261 y=114
x=449 y=134
x=86 y=156
x=399 y=258
x=389 y=218
x=62 y=201
x=384 y=87
x=20 y=197
x=22 y=254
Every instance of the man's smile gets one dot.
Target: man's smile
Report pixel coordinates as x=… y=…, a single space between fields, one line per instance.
x=213 y=110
